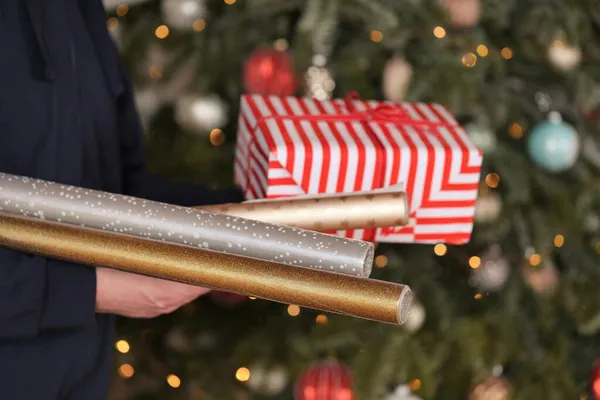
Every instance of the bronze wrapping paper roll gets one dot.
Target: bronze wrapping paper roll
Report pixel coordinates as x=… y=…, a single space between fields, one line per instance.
x=132 y=216
x=342 y=294
x=378 y=209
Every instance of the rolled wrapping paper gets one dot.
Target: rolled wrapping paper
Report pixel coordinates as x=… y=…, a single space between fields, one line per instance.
x=197 y=228
x=343 y=294
x=377 y=209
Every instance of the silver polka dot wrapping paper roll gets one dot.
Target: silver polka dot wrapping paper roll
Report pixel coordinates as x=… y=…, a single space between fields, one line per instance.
x=185 y=226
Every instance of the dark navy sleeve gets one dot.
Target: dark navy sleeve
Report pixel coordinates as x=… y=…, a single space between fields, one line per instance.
x=140 y=183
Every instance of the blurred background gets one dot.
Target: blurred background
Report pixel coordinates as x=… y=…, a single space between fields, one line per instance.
x=514 y=314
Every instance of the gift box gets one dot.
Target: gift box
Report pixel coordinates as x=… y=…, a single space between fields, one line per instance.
x=289 y=146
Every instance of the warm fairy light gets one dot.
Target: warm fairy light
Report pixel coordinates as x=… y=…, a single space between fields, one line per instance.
x=478 y=296
x=414 y=385
x=281 y=44
x=474 y=262
x=440 y=249
x=492 y=180
x=230 y=2
x=515 y=130
x=597 y=247
x=126 y=371
x=112 y=24
x=293 y=310
x=376 y=36
x=155 y=72
x=439 y=32
x=535 y=259
x=162 y=31
x=217 y=137
x=321 y=319
x=242 y=374
x=199 y=25
x=482 y=50
x=381 y=261
x=252 y=298
x=122 y=10
x=469 y=60
x=559 y=240
x=506 y=53
x=122 y=346
x=173 y=381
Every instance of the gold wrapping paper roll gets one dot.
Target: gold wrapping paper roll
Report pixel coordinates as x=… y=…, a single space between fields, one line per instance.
x=378 y=209
x=342 y=294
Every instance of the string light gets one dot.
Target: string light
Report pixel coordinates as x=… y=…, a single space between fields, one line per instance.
x=252 y=298
x=469 y=60
x=199 y=25
x=155 y=72
x=381 y=261
x=506 y=53
x=122 y=346
x=293 y=310
x=535 y=259
x=439 y=32
x=474 y=262
x=414 y=385
x=440 y=249
x=242 y=374
x=162 y=31
x=515 y=130
x=217 y=137
x=482 y=50
x=478 y=296
x=126 y=371
x=230 y=2
x=321 y=319
x=492 y=180
x=173 y=381
x=122 y=10
x=597 y=247
x=281 y=44
x=559 y=240
x=112 y=24
x=376 y=36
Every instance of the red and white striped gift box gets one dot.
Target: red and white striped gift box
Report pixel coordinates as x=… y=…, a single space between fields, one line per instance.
x=289 y=146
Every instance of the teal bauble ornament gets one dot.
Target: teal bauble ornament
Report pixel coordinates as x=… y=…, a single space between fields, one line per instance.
x=554 y=144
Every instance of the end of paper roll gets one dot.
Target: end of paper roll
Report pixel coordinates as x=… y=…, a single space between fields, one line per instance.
x=404 y=305
x=369 y=260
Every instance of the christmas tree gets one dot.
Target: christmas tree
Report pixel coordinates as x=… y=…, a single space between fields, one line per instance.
x=515 y=313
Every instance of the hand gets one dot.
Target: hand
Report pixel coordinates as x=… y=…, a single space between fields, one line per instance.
x=137 y=296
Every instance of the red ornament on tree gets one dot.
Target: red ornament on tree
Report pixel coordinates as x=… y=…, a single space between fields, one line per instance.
x=270 y=72
x=225 y=299
x=595 y=383
x=326 y=380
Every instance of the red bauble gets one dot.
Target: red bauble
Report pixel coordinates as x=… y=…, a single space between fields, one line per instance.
x=595 y=383
x=226 y=299
x=270 y=72
x=326 y=380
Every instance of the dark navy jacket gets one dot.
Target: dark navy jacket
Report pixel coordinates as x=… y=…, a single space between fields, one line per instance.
x=66 y=115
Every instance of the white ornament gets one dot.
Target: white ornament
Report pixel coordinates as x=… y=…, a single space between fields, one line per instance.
x=397 y=75
x=483 y=136
x=402 y=392
x=416 y=318
x=563 y=56
x=319 y=80
x=487 y=208
x=148 y=102
x=268 y=381
x=200 y=114
x=493 y=272
x=181 y=14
